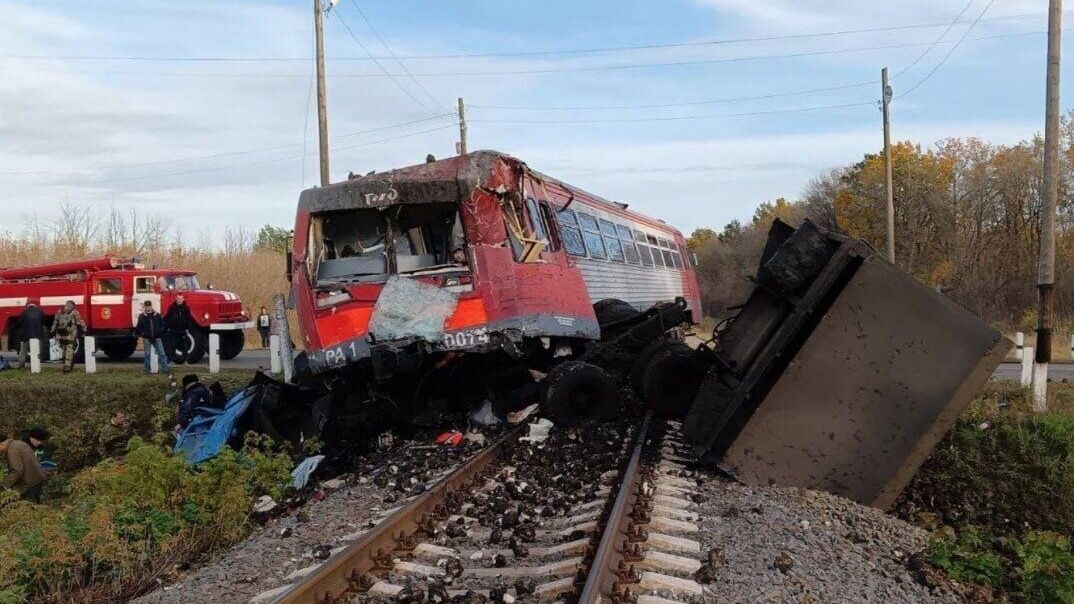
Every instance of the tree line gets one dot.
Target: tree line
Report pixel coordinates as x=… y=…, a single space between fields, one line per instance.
x=967 y=222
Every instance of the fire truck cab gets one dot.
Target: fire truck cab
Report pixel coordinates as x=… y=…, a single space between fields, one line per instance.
x=110 y=292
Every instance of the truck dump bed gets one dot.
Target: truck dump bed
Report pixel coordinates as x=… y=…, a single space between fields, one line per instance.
x=840 y=373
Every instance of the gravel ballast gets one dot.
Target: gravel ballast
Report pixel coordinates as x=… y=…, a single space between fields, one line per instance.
x=789 y=545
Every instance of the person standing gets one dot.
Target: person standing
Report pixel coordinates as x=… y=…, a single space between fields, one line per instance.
x=66 y=327
x=25 y=473
x=150 y=329
x=264 y=326
x=177 y=322
x=31 y=326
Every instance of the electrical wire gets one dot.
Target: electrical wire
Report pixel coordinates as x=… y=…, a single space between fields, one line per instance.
x=218 y=155
x=950 y=52
x=394 y=56
x=939 y=38
x=551 y=70
x=523 y=53
x=380 y=65
x=676 y=118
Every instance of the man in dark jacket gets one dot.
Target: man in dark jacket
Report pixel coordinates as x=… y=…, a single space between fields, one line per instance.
x=177 y=322
x=150 y=329
x=31 y=327
x=195 y=395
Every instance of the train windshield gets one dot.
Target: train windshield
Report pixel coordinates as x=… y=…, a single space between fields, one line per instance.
x=357 y=245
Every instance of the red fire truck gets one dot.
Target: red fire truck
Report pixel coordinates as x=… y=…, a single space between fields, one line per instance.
x=109 y=293
x=411 y=269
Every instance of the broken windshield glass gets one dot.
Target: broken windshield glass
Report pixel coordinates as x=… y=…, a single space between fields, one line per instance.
x=348 y=246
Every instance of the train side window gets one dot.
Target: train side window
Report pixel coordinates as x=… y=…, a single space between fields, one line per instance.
x=646 y=255
x=546 y=216
x=668 y=262
x=569 y=233
x=658 y=259
x=109 y=286
x=676 y=260
x=611 y=241
x=594 y=243
x=537 y=220
x=631 y=252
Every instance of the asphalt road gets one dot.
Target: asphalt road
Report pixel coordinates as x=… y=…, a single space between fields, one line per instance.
x=1057 y=372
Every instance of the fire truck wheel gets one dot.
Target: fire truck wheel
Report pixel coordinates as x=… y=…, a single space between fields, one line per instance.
x=197 y=342
x=671 y=378
x=119 y=350
x=231 y=343
x=576 y=392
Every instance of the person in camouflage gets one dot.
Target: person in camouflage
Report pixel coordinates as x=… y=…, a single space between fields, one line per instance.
x=66 y=328
x=114 y=436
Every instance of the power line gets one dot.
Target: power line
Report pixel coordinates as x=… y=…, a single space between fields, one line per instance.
x=523 y=53
x=680 y=104
x=381 y=65
x=392 y=53
x=550 y=70
x=939 y=38
x=218 y=155
x=950 y=51
x=679 y=117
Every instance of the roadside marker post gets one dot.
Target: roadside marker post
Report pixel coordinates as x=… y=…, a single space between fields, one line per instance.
x=1027 y=367
x=89 y=345
x=154 y=362
x=35 y=355
x=275 y=362
x=214 y=353
x=1020 y=342
x=1040 y=387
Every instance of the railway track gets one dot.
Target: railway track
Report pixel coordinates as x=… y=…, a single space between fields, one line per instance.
x=601 y=516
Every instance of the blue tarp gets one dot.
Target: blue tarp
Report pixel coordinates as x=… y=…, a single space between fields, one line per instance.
x=208 y=434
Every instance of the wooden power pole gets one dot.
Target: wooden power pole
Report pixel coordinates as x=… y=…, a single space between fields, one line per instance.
x=322 y=102
x=462 y=127
x=1046 y=268
x=886 y=103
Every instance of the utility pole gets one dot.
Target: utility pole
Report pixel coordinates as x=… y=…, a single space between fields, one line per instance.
x=885 y=90
x=1046 y=268
x=322 y=102
x=462 y=127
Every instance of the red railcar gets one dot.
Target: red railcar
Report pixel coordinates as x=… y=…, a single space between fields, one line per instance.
x=473 y=254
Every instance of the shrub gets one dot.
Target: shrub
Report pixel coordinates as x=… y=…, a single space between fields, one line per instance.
x=1046 y=567
x=967 y=556
x=129 y=521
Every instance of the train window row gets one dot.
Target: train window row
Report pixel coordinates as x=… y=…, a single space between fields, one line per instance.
x=586 y=236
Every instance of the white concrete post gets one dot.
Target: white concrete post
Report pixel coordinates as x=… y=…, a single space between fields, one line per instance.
x=1040 y=387
x=1027 y=367
x=1019 y=345
x=1072 y=346
x=214 y=353
x=275 y=361
x=35 y=355
x=154 y=362
x=89 y=345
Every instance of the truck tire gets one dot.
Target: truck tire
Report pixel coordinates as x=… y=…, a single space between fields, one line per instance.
x=576 y=392
x=198 y=345
x=641 y=364
x=119 y=350
x=671 y=378
x=611 y=312
x=231 y=343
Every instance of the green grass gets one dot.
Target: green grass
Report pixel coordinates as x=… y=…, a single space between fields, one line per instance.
x=75 y=406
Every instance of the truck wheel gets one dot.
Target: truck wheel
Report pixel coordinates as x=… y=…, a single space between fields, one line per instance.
x=198 y=342
x=671 y=378
x=577 y=392
x=611 y=312
x=231 y=343
x=641 y=363
x=119 y=350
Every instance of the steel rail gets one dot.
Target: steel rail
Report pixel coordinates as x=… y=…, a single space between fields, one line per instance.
x=610 y=569
x=346 y=572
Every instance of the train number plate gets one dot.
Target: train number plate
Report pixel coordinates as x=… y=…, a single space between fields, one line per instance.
x=466 y=339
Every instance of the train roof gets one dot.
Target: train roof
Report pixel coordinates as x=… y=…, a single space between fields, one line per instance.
x=444 y=181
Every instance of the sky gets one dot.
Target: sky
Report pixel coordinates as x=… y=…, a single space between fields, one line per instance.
x=202 y=111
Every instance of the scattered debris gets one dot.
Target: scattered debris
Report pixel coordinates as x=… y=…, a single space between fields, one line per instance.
x=264 y=505
x=783 y=563
x=484 y=415
x=300 y=476
x=517 y=417
x=538 y=431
